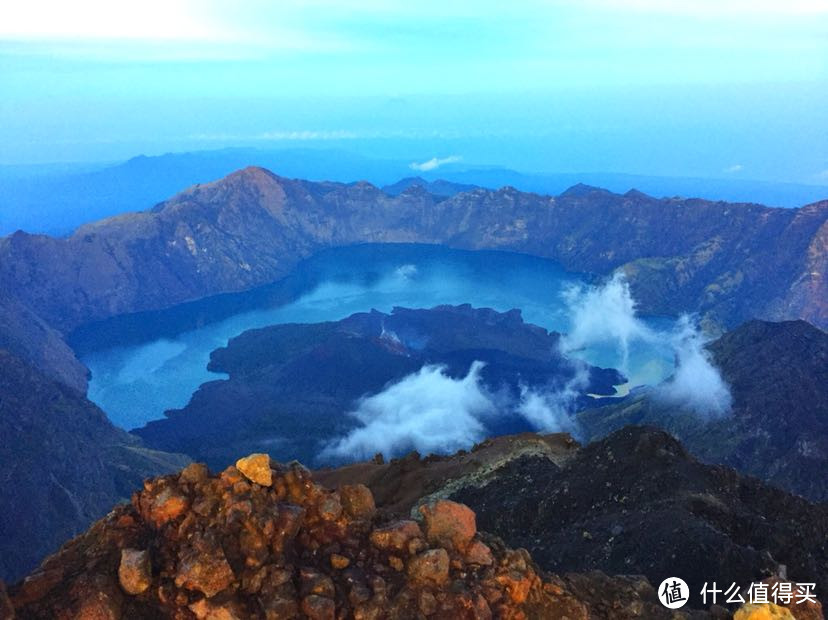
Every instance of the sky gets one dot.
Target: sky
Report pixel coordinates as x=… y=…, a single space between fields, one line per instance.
x=671 y=87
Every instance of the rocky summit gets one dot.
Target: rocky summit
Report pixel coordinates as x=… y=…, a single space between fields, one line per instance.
x=242 y=544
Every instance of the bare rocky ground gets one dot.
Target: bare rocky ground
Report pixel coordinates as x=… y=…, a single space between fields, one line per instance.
x=268 y=541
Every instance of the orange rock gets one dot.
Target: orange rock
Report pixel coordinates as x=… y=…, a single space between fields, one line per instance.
x=206 y=610
x=134 y=572
x=430 y=566
x=807 y=610
x=479 y=553
x=396 y=535
x=256 y=468
x=194 y=473
x=204 y=568
x=449 y=524
x=164 y=505
x=358 y=501
x=517 y=585
x=765 y=611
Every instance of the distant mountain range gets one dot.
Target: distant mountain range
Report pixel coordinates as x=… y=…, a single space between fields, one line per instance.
x=56 y=199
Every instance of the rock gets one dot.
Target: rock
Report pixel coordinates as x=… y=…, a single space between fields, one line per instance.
x=278 y=608
x=194 y=473
x=206 y=610
x=330 y=507
x=427 y=603
x=318 y=607
x=97 y=598
x=314 y=582
x=256 y=468
x=478 y=553
x=357 y=500
x=134 y=572
x=765 y=611
x=204 y=568
x=339 y=561
x=396 y=535
x=449 y=523
x=163 y=503
x=430 y=566
x=802 y=610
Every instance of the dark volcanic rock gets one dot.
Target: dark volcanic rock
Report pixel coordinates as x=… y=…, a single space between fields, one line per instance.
x=203 y=565
x=778 y=429
x=63 y=464
x=291 y=386
x=638 y=503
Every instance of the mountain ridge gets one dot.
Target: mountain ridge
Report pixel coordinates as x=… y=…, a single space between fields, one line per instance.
x=728 y=262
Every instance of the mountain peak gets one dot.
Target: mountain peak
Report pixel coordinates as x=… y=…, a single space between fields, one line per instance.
x=637 y=194
x=580 y=190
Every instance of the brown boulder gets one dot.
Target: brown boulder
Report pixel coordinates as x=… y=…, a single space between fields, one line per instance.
x=358 y=501
x=314 y=582
x=330 y=508
x=134 y=571
x=396 y=535
x=449 y=524
x=194 y=473
x=479 y=553
x=204 y=567
x=206 y=610
x=163 y=503
x=430 y=566
x=318 y=607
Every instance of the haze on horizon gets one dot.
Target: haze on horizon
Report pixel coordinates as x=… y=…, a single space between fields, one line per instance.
x=733 y=89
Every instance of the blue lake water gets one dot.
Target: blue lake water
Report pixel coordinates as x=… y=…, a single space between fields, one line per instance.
x=136 y=383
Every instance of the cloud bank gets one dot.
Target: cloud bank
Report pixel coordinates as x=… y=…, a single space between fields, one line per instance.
x=426 y=411
x=600 y=314
x=433 y=413
x=696 y=383
x=607 y=313
x=550 y=411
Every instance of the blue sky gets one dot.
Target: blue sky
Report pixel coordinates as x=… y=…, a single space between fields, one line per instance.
x=745 y=80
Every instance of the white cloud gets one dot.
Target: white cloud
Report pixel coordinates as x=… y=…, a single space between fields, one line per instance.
x=734 y=168
x=433 y=413
x=434 y=163
x=426 y=411
x=696 y=383
x=607 y=314
x=550 y=411
x=104 y=19
x=604 y=314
